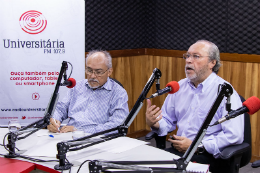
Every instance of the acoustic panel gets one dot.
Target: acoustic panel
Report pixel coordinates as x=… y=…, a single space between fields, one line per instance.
x=179 y=23
x=244 y=27
x=115 y=24
x=233 y=25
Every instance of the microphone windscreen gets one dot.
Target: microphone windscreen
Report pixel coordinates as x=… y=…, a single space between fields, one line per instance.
x=253 y=104
x=73 y=82
x=174 y=85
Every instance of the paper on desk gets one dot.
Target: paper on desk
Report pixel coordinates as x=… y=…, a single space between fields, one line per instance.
x=120 y=144
x=197 y=167
x=47 y=146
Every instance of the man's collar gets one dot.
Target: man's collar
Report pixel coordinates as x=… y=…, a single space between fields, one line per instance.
x=206 y=83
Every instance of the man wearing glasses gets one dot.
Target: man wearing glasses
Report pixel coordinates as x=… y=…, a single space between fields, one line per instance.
x=95 y=104
x=188 y=108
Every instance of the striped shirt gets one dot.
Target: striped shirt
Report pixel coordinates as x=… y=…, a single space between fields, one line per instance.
x=94 y=110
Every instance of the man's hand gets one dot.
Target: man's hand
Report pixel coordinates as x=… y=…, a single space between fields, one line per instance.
x=180 y=143
x=153 y=115
x=54 y=125
x=66 y=129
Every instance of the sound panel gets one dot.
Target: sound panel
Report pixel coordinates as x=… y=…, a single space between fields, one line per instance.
x=244 y=27
x=179 y=23
x=115 y=24
x=233 y=25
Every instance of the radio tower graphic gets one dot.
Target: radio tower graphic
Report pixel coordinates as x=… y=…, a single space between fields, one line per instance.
x=33 y=22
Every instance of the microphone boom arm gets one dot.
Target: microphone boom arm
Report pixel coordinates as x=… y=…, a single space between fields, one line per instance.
x=37 y=125
x=155 y=75
x=226 y=90
x=181 y=163
x=65 y=146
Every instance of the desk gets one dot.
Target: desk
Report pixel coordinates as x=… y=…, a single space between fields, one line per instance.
x=141 y=152
x=19 y=166
x=13 y=165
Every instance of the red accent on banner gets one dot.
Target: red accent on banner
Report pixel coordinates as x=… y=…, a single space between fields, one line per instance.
x=33 y=22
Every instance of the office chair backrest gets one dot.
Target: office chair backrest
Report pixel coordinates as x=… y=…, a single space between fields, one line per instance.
x=117 y=81
x=246 y=157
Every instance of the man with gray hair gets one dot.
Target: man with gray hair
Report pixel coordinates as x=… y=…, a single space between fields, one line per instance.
x=188 y=108
x=95 y=104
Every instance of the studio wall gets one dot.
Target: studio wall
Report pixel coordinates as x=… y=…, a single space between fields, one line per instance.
x=146 y=34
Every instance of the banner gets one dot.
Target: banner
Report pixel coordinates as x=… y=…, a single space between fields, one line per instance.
x=36 y=36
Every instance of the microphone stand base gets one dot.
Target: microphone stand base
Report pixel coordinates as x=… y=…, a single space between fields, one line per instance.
x=64 y=167
x=10 y=155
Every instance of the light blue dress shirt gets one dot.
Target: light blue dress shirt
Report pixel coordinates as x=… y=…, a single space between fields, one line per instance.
x=188 y=108
x=94 y=110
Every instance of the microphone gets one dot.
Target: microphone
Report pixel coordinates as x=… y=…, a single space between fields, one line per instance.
x=171 y=87
x=251 y=106
x=70 y=83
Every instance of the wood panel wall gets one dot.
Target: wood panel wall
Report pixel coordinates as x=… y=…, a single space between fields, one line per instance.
x=134 y=67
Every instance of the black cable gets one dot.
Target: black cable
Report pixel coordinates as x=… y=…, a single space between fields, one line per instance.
x=148 y=97
x=70 y=164
x=67 y=160
x=15 y=147
x=71 y=69
x=4 y=142
x=83 y=164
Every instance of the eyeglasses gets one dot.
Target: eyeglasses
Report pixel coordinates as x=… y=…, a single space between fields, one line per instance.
x=89 y=71
x=194 y=56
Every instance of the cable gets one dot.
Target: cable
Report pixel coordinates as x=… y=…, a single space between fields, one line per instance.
x=83 y=164
x=70 y=164
x=4 y=142
x=71 y=69
x=15 y=147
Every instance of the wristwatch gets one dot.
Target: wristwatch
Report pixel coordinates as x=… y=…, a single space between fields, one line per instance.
x=200 y=148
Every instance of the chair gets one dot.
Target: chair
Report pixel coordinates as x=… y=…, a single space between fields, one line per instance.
x=117 y=81
x=237 y=155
